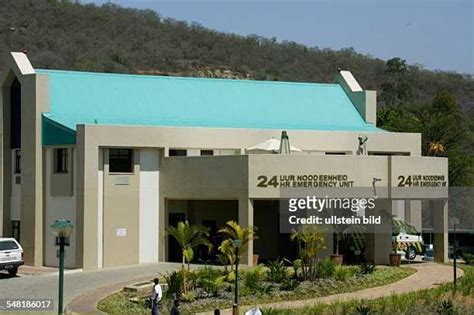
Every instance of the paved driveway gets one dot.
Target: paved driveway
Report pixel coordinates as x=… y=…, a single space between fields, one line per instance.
x=76 y=283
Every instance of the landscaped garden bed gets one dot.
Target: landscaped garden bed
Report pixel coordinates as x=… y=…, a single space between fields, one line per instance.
x=213 y=288
x=441 y=300
x=209 y=288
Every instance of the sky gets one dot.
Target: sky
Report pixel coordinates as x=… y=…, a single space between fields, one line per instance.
x=437 y=34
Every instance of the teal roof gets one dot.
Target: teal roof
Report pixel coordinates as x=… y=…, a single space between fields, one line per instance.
x=120 y=99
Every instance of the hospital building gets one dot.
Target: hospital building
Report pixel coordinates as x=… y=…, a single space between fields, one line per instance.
x=125 y=156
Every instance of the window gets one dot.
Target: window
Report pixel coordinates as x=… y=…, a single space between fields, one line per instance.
x=207 y=152
x=61 y=160
x=335 y=153
x=120 y=161
x=178 y=152
x=16 y=230
x=389 y=153
x=8 y=245
x=17 y=161
x=15 y=115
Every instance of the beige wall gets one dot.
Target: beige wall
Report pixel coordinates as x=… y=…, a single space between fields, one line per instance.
x=418 y=166
x=91 y=137
x=121 y=214
x=62 y=184
x=225 y=177
x=227 y=138
x=58 y=207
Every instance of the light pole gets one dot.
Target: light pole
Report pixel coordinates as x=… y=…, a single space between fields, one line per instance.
x=61 y=229
x=235 y=307
x=454 y=222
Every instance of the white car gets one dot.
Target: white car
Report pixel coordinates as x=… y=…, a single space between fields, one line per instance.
x=11 y=255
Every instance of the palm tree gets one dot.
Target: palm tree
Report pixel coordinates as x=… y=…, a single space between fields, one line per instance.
x=310 y=242
x=227 y=255
x=188 y=237
x=239 y=237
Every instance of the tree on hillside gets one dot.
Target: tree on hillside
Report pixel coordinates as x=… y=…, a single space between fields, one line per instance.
x=109 y=38
x=397 y=86
x=444 y=130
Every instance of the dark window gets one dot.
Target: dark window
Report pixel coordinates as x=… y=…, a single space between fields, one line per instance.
x=389 y=153
x=120 y=161
x=335 y=153
x=16 y=230
x=17 y=161
x=178 y=152
x=15 y=115
x=8 y=245
x=61 y=160
x=207 y=152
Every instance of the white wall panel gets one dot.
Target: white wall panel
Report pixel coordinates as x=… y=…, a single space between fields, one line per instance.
x=149 y=205
x=100 y=211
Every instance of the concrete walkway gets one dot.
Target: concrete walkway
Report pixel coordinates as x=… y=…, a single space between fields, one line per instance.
x=428 y=275
x=77 y=283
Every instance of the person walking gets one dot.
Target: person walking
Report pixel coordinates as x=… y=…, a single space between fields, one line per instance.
x=155 y=297
x=175 y=308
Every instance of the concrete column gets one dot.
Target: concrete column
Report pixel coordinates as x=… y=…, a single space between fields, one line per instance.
x=440 y=225
x=413 y=213
x=163 y=216
x=87 y=201
x=246 y=216
x=34 y=101
x=378 y=239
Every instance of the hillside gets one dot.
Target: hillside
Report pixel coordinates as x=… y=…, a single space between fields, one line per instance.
x=113 y=39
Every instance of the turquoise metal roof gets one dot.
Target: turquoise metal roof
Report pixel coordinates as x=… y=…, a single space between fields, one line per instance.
x=119 y=99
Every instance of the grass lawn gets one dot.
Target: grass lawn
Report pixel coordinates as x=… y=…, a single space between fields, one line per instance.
x=119 y=303
x=441 y=300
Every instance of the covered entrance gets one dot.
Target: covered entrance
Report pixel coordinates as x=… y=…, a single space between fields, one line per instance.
x=213 y=214
x=271 y=243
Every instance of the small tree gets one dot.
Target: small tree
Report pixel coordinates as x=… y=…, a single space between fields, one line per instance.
x=188 y=237
x=227 y=255
x=310 y=242
x=237 y=233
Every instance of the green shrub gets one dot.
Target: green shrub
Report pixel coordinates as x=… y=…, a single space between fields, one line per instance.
x=174 y=281
x=211 y=280
x=252 y=278
x=277 y=271
x=466 y=282
x=446 y=308
x=363 y=309
x=289 y=284
x=208 y=273
x=188 y=297
x=342 y=273
x=271 y=311
x=366 y=268
x=297 y=266
x=468 y=258
x=324 y=268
